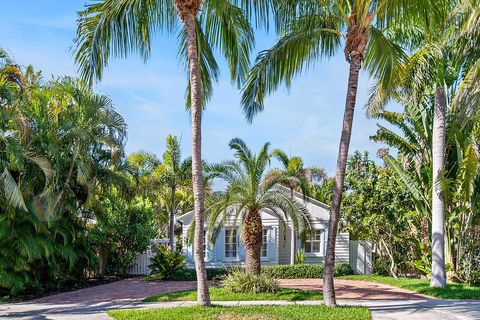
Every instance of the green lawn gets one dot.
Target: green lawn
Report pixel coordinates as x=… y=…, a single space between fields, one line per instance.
x=452 y=291
x=295 y=312
x=221 y=294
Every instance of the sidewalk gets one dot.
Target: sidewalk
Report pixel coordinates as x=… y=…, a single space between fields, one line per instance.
x=381 y=309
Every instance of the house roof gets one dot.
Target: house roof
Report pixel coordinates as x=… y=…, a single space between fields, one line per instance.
x=319 y=211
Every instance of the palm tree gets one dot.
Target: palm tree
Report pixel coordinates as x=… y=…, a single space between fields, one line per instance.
x=123 y=27
x=317 y=31
x=443 y=49
x=297 y=178
x=246 y=195
x=175 y=176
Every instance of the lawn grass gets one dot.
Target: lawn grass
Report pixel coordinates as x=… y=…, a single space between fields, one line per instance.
x=293 y=312
x=452 y=291
x=221 y=294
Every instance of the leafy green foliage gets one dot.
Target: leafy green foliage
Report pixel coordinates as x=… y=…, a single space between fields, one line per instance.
x=304 y=271
x=242 y=282
x=300 y=256
x=123 y=230
x=377 y=207
x=67 y=210
x=165 y=263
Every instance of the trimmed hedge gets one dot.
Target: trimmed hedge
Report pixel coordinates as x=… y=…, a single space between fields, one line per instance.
x=304 y=271
x=297 y=271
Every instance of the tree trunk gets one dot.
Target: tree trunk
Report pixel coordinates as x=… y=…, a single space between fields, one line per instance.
x=328 y=285
x=438 y=277
x=197 y=175
x=171 y=230
x=252 y=235
x=293 y=238
x=293 y=243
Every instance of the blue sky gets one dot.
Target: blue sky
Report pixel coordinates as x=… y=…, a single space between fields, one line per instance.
x=305 y=120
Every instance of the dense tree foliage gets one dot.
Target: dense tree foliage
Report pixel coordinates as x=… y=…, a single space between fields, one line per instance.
x=61 y=156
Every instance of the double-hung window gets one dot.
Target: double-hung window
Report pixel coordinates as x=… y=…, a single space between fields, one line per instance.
x=264 y=243
x=313 y=243
x=231 y=243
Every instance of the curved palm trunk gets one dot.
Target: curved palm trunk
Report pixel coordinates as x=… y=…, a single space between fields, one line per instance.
x=438 y=277
x=252 y=235
x=197 y=176
x=328 y=285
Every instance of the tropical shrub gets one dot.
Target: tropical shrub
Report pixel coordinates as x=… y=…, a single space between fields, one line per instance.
x=300 y=256
x=242 y=282
x=165 y=263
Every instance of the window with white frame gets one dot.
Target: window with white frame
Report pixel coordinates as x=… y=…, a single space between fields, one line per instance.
x=313 y=242
x=264 y=242
x=231 y=243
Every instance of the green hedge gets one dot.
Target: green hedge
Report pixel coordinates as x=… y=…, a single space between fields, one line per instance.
x=298 y=271
x=304 y=271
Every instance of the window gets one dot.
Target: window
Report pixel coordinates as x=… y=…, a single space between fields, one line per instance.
x=230 y=243
x=313 y=243
x=264 y=242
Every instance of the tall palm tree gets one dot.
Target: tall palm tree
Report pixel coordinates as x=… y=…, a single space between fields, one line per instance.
x=318 y=30
x=246 y=195
x=123 y=27
x=297 y=178
x=443 y=49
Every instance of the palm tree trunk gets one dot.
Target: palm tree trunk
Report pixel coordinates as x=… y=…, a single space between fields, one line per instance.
x=293 y=239
x=328 y=285
x=171 y=220
x=293 y=243
x=197 y=175
x=252 y=235
x=438 y=277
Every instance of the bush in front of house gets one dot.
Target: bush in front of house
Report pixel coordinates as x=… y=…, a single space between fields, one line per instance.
x=165 y=263
x=242 y=282
x=304 y=271
x=298 y=271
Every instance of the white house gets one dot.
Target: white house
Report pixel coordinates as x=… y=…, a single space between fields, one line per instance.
x=228 y=250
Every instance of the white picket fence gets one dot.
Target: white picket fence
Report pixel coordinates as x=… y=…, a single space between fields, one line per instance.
x=361 y=256
x=140 y=266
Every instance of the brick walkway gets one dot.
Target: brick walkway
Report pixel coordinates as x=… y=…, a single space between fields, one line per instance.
x=137 y=289
x=353 y=289
x=128 y=289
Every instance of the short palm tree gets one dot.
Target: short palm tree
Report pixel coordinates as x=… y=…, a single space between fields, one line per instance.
x=295 y=177
x=122 y=27
x=318 y=30
x=246 y=195
x=175 y=178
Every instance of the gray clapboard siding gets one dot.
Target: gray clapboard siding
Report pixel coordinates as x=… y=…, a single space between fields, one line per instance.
x=342 y=248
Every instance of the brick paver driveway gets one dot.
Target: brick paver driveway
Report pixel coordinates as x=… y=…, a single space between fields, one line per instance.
x=138 y=289
x=128 y=289
x=353 y=289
